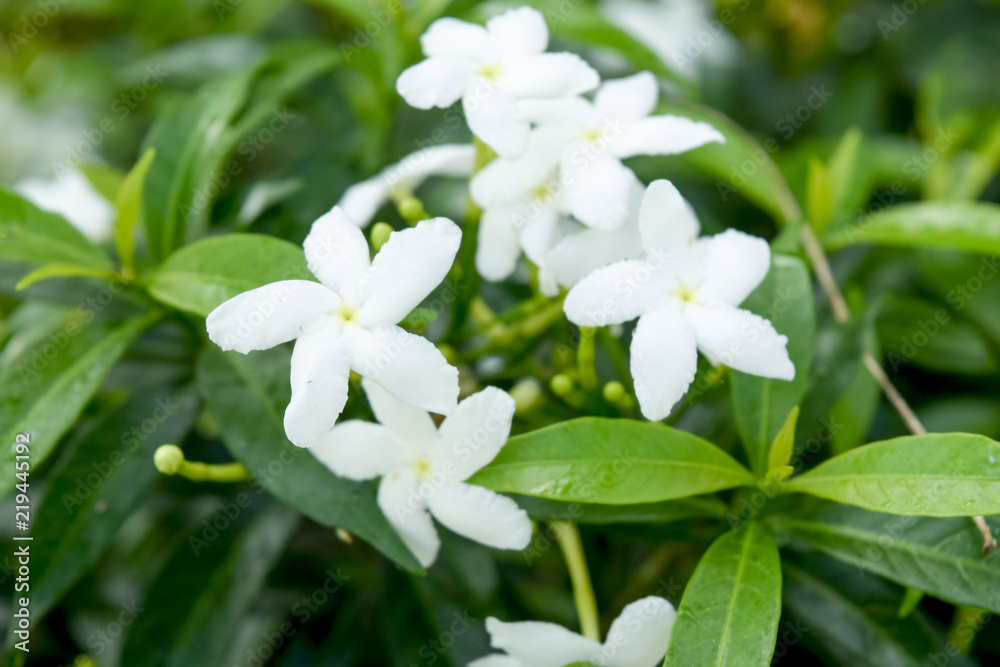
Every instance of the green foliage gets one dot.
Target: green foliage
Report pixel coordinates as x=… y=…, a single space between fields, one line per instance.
x=32 y=236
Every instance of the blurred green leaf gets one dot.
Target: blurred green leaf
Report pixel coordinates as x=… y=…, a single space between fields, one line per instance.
x=730 y=609
x=33 y=236
x=761 y=405
x=938 y=474
x=127 y=202
x=942 y=557
x=610 y=462
x=243 y=402
x=44 y=396
x=589 y=513
x=956 y=225
x=819 y=196
x=105 y=475
x=783 y=445
x=220 y=582
x=205 y=274
x=60 y=270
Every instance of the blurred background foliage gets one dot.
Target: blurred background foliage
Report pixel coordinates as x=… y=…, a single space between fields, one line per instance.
x=300 y=96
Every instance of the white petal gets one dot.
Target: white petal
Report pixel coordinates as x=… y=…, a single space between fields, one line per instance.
x=580 y=254
x=409 y=424
x=72 y=196
x=408 y=268
x=320 y=372
x=741 y=340
x=664 y=360
x=571 y=113
x=438 y=81
x=407 y=366
x=481 y=515
x=616 y=294
x=549 y=75
x=667 y=223
x=541 y=644
x=597 y=187
x=664 y=135
x=360 y=450
x=627 y=99
x=404 y=507
x=499 y=244
x=337 y=254
x=541 y=233
x=452 y=37
x=494 y=117
x=520 y=31
x=270 y=315
x=506 y=182
x=476 y=432
x=362 y=201
x=735 y=264
x=497 y=660
x=640 y=634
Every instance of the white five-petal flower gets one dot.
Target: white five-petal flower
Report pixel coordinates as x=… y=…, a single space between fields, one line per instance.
x=490 y=68
x=73 y=197
x=424 y=468
x=686 y=294
x=362 y=201
x=637 y=638
x=587 y=141
x=347 y=321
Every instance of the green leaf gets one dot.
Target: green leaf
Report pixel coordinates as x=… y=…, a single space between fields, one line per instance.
x=760 y=405
x=104 y=476
x=44 y=396
x=730 y=609
x=107 y=180
x=784 y=443
x=243 y=403
x=841 y=169
x=588 y=513
x=952 y=225
x=33 y=236
x=819 y=198
x=194 y=608
x=205 y=274
x=128 y=202
x=60 y=270
x=194 y=137
x=938 y=474
x=612 y=462
x=942 y=557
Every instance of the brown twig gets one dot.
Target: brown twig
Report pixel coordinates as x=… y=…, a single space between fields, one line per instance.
x=814 y=251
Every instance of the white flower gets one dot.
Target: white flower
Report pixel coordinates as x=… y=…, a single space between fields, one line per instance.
x=586 y=141
x=490 y=69
x=347 y=321
x=73 y=197
x=360 y=202
x=424 y=469
x=686 y=295
x=637 y=638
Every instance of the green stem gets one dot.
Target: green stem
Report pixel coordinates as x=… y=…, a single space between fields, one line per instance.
x=583 y=590
x=967 y=624
x=209 y=472
x=585 y=356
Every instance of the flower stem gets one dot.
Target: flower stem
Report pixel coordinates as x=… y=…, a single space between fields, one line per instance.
x=583 y=590
x=585 y=356
x=169 y=459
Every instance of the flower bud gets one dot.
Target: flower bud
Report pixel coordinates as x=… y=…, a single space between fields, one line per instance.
x=168 y=459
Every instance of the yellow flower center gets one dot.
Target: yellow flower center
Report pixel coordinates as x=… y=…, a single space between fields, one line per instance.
x=687 y=294
x=593 y=134
x=346 y=314
x=541 y=194
x=491 y=72
x=422 y=467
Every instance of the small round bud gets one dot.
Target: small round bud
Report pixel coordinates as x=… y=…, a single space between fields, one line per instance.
x=380 y=234
x=412 y=209
x=526 y=394
x=562 y=384
x=614 y=392
x=168 y=459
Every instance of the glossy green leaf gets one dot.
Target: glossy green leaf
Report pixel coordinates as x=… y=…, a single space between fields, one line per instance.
x=33 y=236
x=46 y=390
x=220 y=580
x=104 y=477
x=938 y=474
x=730 y=609
x=62 y=271
x=203 y=275
x=589 y=513
x=128 y=202
x=761 y=405
x=942 y=557
x=246 y=395
x=955 y=225
x=610 y=462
